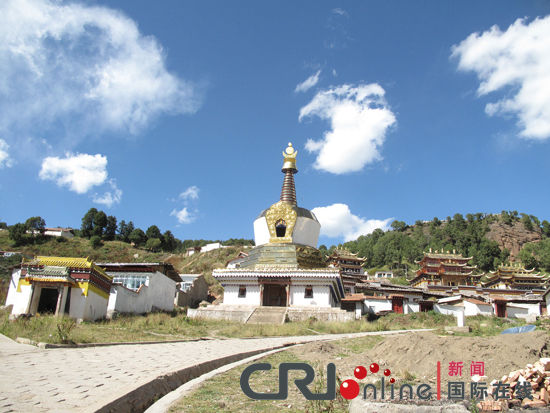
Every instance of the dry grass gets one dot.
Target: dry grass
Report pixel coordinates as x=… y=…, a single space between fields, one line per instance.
x=163 y=326
x=223 y=393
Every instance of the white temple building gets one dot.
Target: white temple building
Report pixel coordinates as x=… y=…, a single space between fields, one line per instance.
x=285 y=269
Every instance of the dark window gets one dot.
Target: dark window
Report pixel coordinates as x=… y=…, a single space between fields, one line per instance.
x=280 y=228
x=242 y=292
x=308 y=292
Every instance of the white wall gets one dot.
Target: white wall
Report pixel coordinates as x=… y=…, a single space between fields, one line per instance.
x=211 y=247
x=411 y=307
x=95 y=307
x=64 y=234
x=231 y=294
x=21 y=300
x=261 y=232
x=448 y=309
x=471 y=309
x=321 y=296
x=374 y=306
x=306 y=232
x=159 y=294
x=78 y=304
x=520 y=310
x=12 y=291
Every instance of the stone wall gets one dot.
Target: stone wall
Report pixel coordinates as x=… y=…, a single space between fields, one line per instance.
x=321 y=314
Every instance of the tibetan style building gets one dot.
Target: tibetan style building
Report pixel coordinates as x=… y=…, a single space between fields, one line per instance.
x=72 y=286
x=444 y=268
x=350 y=267
x=515 y=276
x=285 y=269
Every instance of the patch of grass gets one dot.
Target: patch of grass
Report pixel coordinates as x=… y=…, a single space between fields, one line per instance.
x=176 y=325
x=359 y=345
x=223 y=392
x=491 y=326
x=407 y=377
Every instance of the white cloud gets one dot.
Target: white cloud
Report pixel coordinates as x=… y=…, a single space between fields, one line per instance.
x=5 y=159
x=190 y=193
x=79 y=172
x=183 y=216
x=340 y=12
x=111 y=197
x=86 y=66
x=359 y=117
x=337 y=221
x=308 y=83
x=517 y=61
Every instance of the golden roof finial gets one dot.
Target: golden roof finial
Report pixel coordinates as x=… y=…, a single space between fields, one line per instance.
x=290 y=157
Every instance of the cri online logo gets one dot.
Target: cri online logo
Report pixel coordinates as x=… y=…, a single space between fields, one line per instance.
x=349 y=389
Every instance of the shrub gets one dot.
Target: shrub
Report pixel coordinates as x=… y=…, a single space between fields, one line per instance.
x=95 y=241
x=64 y=327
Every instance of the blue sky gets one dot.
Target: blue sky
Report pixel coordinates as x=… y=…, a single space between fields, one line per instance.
x=176 y=113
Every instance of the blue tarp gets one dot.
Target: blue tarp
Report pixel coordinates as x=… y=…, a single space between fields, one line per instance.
x=523 y=329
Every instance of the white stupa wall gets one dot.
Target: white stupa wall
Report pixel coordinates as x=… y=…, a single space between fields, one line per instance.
x=261 y=232
x=306 y=232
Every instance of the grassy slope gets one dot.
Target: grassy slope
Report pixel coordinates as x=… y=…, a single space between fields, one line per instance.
x=163 y=326
x=117 y=251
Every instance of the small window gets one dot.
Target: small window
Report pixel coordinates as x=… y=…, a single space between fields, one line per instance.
x=242 y=291
x=308 y=292
x=280 y=228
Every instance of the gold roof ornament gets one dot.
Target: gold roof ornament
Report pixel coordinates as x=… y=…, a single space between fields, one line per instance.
x=290 y=158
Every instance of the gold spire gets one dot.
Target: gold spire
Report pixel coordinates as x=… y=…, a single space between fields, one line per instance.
x=290 y=158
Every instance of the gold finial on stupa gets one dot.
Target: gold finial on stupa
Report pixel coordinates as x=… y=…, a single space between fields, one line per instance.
x=290 y=157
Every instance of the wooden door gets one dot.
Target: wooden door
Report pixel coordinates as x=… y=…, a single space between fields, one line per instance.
x=397 y=305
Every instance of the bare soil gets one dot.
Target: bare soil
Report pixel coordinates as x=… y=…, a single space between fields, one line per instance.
x=414 y=357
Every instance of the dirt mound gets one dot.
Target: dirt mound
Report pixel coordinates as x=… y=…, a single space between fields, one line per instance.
x=419 y=353
x=413 y=357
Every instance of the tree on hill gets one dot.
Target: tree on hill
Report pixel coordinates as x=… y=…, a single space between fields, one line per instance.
x=110 y=229
x=485 y=254
x=536 y=255
x=169 y=242
x=124 y=230
x=153 y=244
x=18 y=233
x=545 y=226
x=399 y=226
x=100 y=222
x=138 y=237
x=153 y=232
x=526 y=221
x=36 y=225
x=87 y=227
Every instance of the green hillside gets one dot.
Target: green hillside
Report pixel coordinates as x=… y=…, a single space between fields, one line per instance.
x=113 y=251
x=490 y=239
